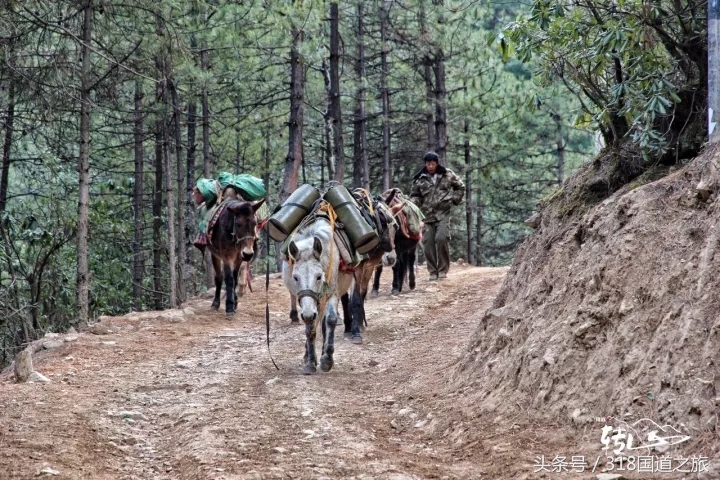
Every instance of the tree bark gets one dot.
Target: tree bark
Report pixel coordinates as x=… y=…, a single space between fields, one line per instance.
x=138 y=260
x=295 y=124
x=440 y=107
x=157 y=217
x=190 y=216
x=387 y=166
x=361 y=175
x=336 y=109
x=478 y=224
x=204 y=103
x=170 y=199
x=7 y=145
x=428 y=77
x=185 y=272
x=83 y=271
x=468 y=194
x=560 y=150
x=204 y=63
x=330 y=158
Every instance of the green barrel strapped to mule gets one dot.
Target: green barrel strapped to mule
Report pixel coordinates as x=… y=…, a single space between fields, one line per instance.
x=292 y=212
x=361 y=234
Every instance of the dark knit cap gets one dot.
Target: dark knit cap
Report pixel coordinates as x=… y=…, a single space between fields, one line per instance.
x=431 y=157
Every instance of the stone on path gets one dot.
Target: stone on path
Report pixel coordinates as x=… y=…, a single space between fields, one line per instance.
x=23 y=365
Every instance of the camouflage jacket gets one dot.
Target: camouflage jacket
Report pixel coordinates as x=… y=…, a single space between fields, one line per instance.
x=436 y=201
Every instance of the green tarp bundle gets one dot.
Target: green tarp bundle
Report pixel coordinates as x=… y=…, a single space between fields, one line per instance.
x=209 y=189
x=249 y=187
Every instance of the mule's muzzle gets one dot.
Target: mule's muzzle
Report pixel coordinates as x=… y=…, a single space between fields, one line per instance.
x=389 y=259
x=309 y=318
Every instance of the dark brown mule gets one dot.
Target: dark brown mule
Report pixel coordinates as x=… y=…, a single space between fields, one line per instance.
x=384 y=254
x=405 y=248
x=233 y=245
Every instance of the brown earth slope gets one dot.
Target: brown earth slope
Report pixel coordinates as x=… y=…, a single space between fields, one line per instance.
x=613 y=312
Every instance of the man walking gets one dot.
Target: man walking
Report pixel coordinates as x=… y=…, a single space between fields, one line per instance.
x=435 y=190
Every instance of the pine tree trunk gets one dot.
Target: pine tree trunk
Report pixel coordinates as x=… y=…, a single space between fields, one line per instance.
x=429 y=86
x=266 y=181
x=191 y=216
x=387 y=166
x=336 y=109
x=361 y=176
x=138 y=261
x=330 y=159
x=182 y=199
x=440 y=112
x=7 y=145
x=204 y=63
x=295 y=124
x=207 y=167
x=157 y=217
x=170 y=199
x=478 y=224
x=468 y=194
x=83 y=271
x=560 y=151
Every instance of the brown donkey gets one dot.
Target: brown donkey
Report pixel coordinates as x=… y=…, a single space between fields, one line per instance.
x=233 y=245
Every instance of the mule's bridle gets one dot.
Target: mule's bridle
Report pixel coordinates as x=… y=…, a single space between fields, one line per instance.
x=239 y=241
x=309 y=293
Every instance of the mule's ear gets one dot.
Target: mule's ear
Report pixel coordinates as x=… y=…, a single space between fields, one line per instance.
x=317 y=247
x=293 y=250
x=258 y=204
x=391 y=196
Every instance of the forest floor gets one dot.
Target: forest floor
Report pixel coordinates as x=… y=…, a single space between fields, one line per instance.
x=192 y=394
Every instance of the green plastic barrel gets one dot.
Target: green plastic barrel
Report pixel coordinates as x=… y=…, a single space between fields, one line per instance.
x=292 y=212
x=362 y=236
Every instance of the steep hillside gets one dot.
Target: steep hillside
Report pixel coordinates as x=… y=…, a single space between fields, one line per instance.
x=611 y=309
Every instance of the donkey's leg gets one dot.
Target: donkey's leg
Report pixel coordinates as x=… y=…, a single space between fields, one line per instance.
x=330 y=321
x=217 y=266
x=293 y=310
x=241 y=277
x=397 y=279
x=357 y=307
x=310 y=358
x=229 y=289
x=376 y=281
x=347 y=315
x=410 y=266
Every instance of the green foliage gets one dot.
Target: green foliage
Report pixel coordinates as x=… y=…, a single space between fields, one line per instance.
x=638 y=68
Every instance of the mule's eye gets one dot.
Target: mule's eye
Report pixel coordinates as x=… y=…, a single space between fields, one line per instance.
x=318 y=277
x=296 y=278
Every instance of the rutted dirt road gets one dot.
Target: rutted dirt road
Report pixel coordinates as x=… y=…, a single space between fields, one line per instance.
x=165 y=395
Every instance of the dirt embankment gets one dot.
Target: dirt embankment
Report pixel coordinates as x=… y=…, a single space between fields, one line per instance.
x=612 y=312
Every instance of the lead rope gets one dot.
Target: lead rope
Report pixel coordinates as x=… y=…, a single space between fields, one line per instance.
x=267 y=298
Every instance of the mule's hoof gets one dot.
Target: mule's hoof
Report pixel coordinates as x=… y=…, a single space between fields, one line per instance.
x=229 y=314
x=326 y=364
x=357 y=339
x=309 y=369
x=374 y=293
x=395 y=292
x=215 y=307
x=347 y=335
x=294 y=321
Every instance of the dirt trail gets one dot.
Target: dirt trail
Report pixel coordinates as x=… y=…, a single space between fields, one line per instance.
x=168 y=395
